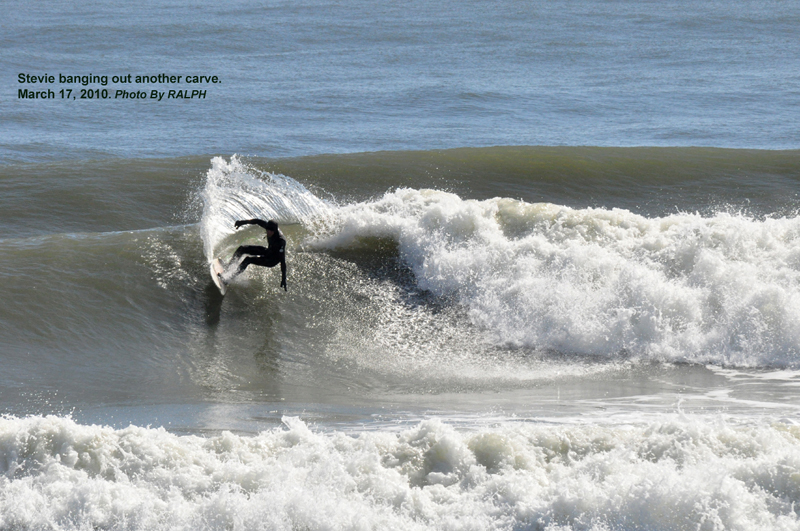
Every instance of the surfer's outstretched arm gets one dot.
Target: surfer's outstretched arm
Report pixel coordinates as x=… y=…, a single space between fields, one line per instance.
x=260 y=222
x=283 y=272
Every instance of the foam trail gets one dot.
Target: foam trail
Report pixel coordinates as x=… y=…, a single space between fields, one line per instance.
x=723 y=289
x=234 y=191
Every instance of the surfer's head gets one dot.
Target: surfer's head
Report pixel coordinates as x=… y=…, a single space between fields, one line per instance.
x=271 y=226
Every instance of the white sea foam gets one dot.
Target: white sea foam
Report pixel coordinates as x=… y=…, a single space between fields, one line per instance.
x=679 y=473
x=723 y=289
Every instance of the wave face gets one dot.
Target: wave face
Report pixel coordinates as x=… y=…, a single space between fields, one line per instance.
x=674 y=474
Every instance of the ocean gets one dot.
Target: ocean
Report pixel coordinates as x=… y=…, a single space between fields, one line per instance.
x=543 y=266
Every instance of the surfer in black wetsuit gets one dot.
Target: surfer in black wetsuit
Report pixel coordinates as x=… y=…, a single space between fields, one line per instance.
x=269 y=256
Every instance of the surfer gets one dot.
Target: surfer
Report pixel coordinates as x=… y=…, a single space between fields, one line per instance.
x=269 y=256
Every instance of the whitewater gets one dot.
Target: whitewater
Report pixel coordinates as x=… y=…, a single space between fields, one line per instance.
x=674 y=474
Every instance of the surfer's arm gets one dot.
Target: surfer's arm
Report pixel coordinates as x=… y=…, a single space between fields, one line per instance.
x=282 y=255
x=260 y=222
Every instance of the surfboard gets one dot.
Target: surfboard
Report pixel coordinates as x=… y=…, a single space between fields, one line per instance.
x=217 y=270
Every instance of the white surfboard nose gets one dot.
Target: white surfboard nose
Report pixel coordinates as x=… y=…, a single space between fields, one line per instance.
x=217 y=271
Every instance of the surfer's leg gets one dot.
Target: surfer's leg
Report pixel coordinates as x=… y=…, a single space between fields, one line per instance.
x=244 y=263
x=246 y=249
x=256 y=260
x=249 y=249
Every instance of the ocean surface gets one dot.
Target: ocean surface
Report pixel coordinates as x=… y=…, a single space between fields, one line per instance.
x=544 y=266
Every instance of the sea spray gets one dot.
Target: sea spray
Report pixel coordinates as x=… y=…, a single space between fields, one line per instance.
x=233 y=190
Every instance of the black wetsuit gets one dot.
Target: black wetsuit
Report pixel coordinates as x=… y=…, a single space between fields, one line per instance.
x=269 y=256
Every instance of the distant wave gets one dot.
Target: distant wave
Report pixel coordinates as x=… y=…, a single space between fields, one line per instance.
x=647 y=180
x=134 y=194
